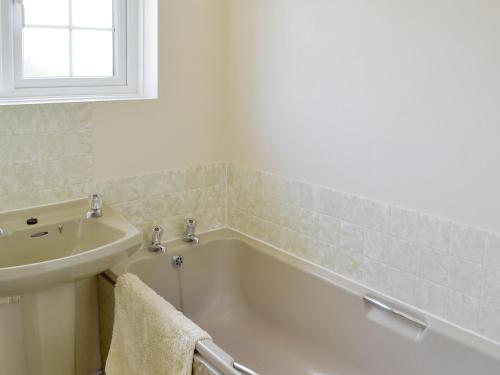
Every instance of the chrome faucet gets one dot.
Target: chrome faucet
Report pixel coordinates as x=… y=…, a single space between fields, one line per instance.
x=2 y=232
x=190 y=231
x=95 y=211
x=156 y=246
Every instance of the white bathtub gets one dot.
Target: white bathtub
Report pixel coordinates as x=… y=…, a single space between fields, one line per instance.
x=281 y=315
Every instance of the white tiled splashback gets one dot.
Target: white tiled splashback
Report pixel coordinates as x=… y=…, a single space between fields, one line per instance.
x=45 y=154
x=446 y=268
x=168 y=197
x=46 y=157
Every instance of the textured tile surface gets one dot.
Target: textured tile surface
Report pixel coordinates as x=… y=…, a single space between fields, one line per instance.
x=46 y=157
x=45 y=154
x=448 y=269
x=167 y=198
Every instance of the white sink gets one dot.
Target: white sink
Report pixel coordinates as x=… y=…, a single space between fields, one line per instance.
x=62 y=247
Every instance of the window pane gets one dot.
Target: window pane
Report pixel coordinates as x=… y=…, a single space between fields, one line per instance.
x=46 y=52
x=92 y=13
x=92 y=53
x=46 y=12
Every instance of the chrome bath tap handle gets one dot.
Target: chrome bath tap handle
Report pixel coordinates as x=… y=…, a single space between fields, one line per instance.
x=156 y=245
x=190 y=231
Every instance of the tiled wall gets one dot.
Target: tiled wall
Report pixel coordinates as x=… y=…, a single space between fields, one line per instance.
x=45 y=154
x=46 y=157
x=167 y=198
x=445 y=268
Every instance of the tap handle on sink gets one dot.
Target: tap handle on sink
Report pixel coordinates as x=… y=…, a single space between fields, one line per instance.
x=95 y=202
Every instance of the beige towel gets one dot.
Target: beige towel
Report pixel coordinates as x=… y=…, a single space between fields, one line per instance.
x=150 y=337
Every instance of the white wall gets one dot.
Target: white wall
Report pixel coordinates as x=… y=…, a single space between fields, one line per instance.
x=393 y=100
x=184 y=127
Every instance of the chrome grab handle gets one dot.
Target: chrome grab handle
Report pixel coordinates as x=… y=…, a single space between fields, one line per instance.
x=243 y=369
x=384 y=306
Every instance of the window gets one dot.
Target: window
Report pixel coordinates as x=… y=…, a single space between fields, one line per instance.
x=66 y=50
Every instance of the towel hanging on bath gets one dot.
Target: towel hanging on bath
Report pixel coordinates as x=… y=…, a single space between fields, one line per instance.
x=150 y=337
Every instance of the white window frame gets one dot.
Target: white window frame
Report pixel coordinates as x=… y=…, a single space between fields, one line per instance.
x=135 y=38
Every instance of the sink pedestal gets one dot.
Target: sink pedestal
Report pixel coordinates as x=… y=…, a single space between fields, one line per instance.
x=49 y=331
x=52 y=332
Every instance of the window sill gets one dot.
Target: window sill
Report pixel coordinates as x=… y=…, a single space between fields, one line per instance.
x=73 y=99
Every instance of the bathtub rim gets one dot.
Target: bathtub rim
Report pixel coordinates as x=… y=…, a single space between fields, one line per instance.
x=441 y=326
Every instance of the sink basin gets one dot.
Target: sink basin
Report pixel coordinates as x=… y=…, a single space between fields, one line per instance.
x=63 y=246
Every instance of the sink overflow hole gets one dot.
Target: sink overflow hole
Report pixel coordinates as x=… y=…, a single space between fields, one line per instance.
x=39 y=234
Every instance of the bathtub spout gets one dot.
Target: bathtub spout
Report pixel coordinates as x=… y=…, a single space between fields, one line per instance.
x=189 y=233
x=192 y=238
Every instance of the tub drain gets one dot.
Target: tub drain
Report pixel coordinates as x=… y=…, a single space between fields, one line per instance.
x=177 y=261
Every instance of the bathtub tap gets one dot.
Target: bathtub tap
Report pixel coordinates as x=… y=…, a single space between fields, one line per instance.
x=156 y=246
x=190 y=231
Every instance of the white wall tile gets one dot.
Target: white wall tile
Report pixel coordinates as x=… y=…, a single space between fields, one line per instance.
x=403 y=223
x=465 y=277
x=376 y=245
x=351 y=208
x=56 y=146
x=375 y=215
x=375 y=274
x=62 y=118
x=18 y=120
x=468 y=243
x=215 y=174
x=401 y=285
x=175 y=180
x=462 y=310
x=328 y=229
x=276 y=187
x=328 y=201
x=302 y=194
x=431 y=297
x=491 y=287
x=433 y=265
x=20 y=149
x=402 y=255
x=352 y=238
x=350 y=264
x=492 y=255
x=330 y=259
x=195 y=177
x=434 y=232
x=5 y=142
x=489 y=323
